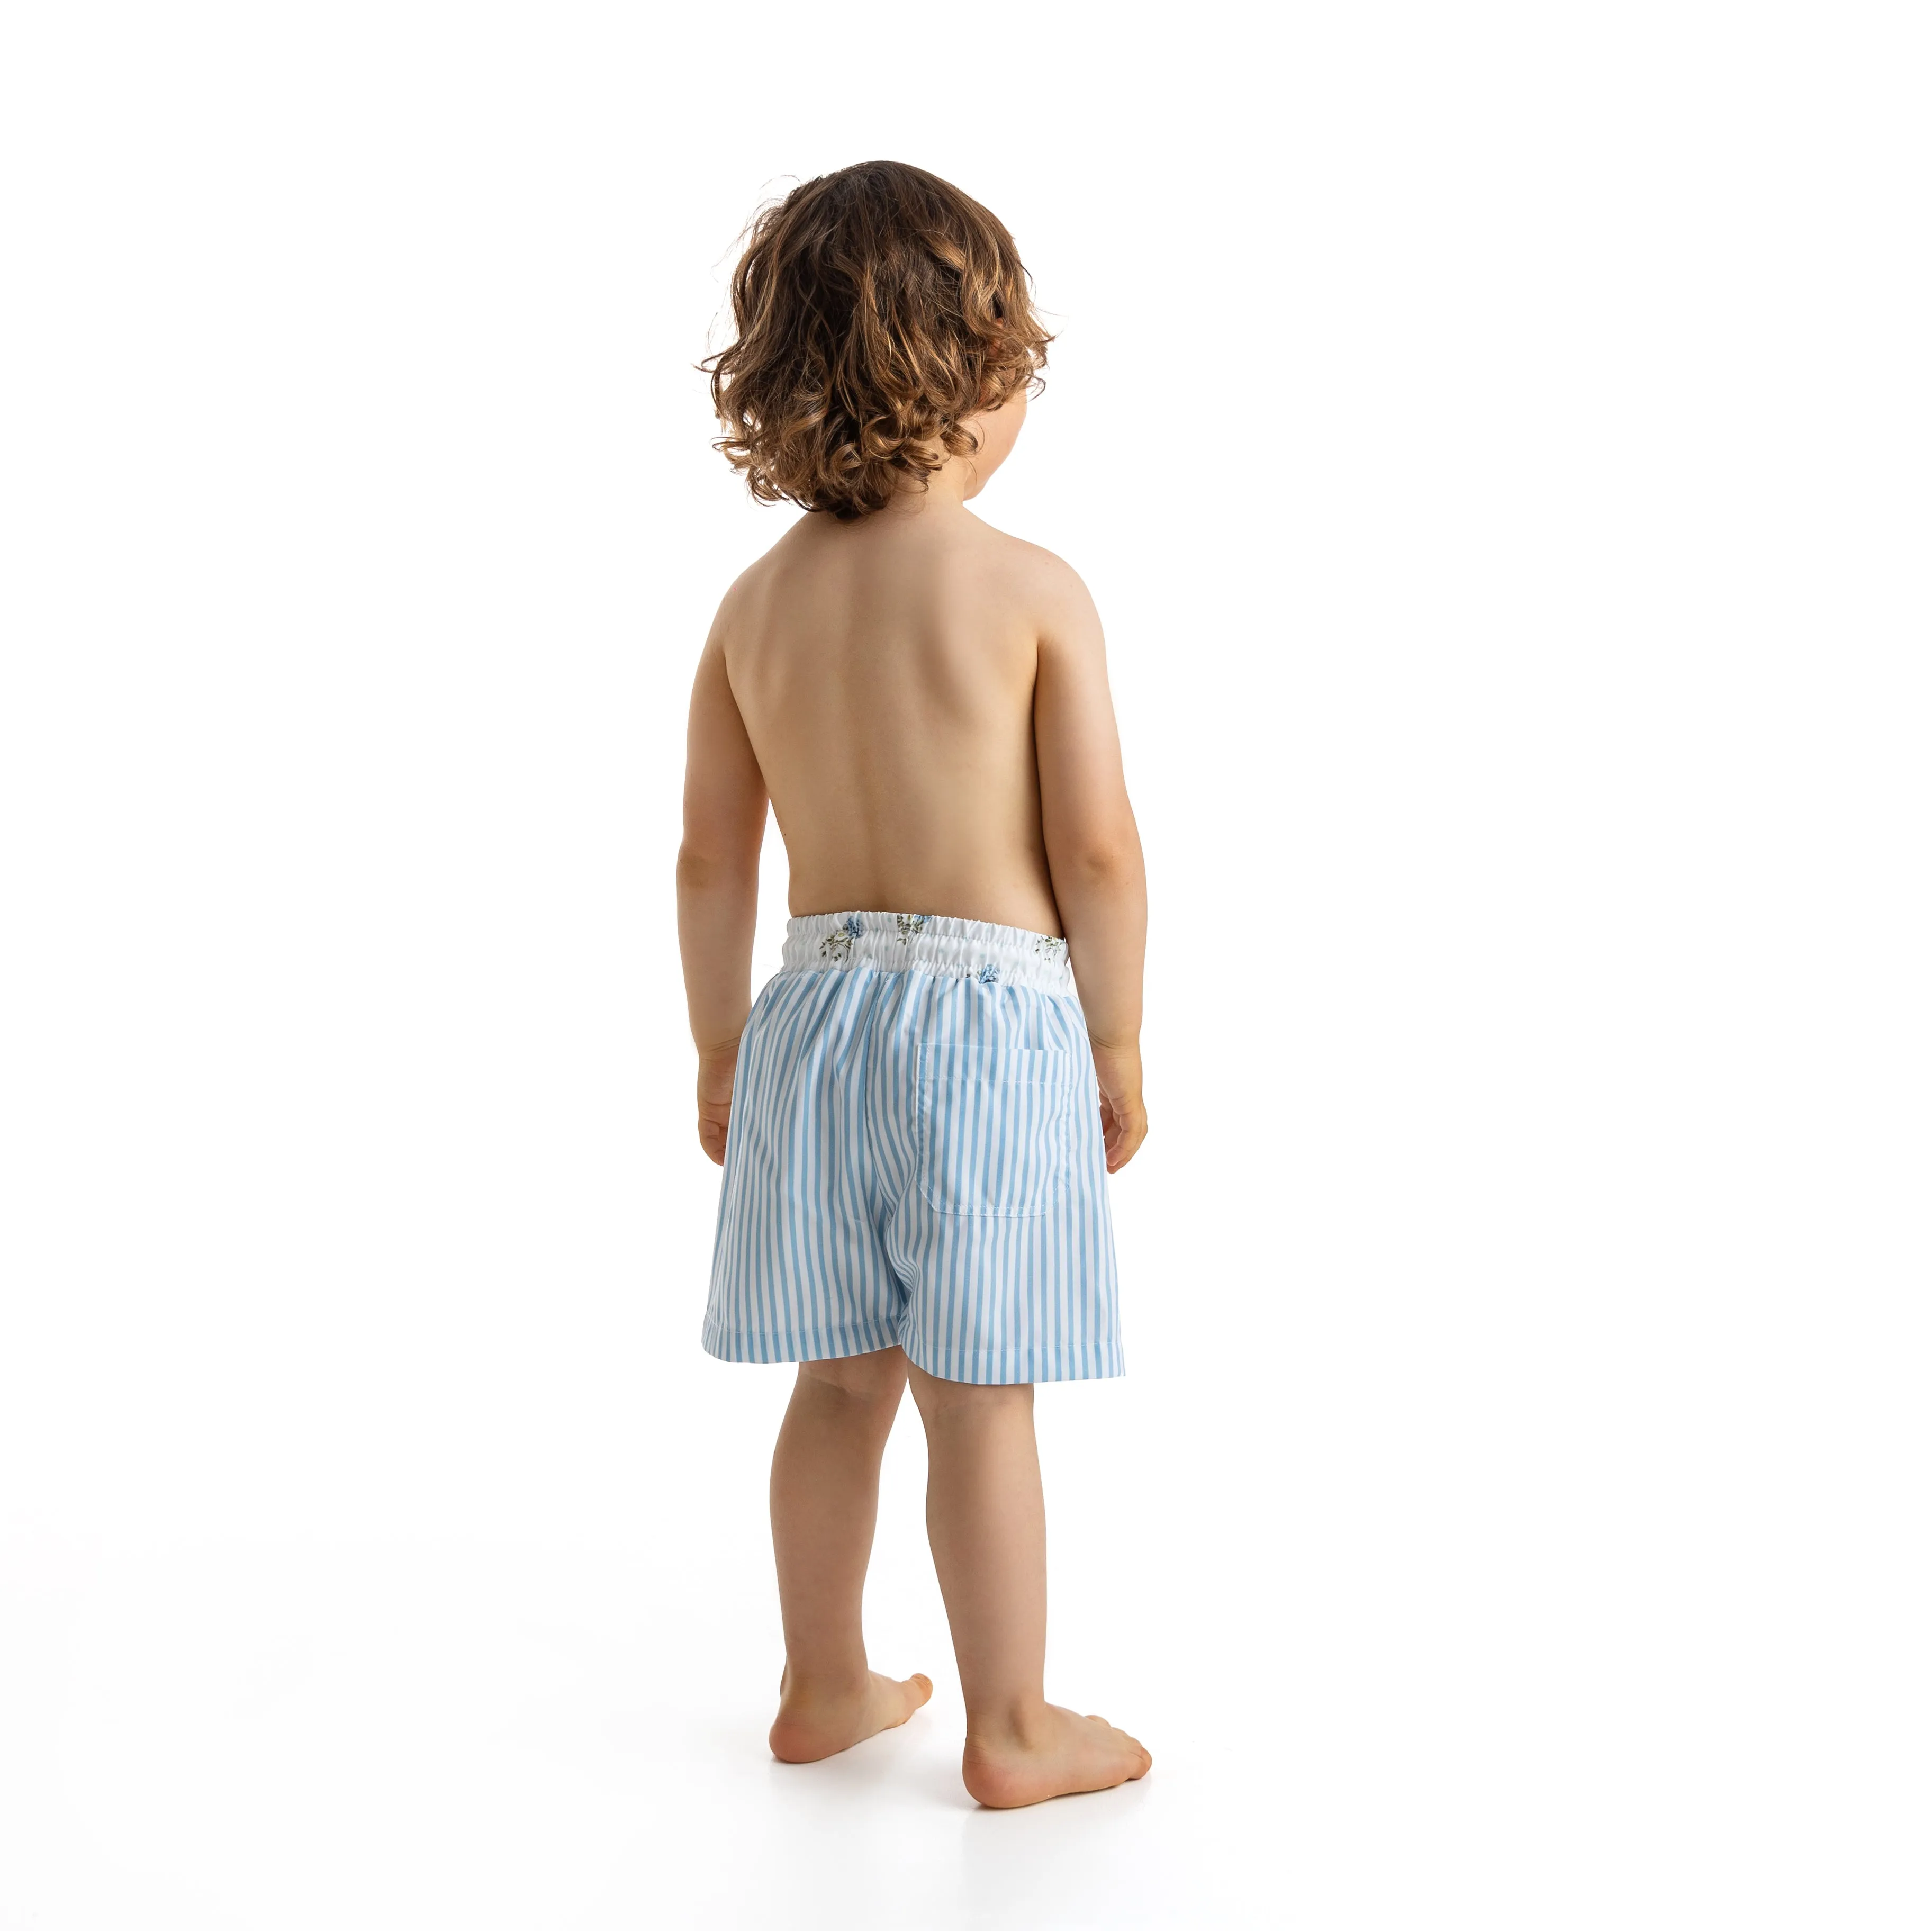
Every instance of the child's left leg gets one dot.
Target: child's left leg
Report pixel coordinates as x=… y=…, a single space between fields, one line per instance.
x=825 y=1499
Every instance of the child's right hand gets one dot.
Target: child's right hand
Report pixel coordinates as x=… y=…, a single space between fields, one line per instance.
x=1122 y=1117
x=717 y=1073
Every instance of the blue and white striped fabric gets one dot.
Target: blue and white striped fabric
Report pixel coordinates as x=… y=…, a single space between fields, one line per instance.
x=915 y=1156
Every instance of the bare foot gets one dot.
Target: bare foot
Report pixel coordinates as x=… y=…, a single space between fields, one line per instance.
x=811 y=1726
x=1062 y=1753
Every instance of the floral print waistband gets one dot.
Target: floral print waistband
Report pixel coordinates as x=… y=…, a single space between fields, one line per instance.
x=991 y=955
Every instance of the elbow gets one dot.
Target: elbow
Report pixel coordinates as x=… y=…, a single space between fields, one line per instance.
x=701 y=869
x=1104 y=870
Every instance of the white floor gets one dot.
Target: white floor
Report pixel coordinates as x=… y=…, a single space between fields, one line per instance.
x=1380 y=1732
x=371 y=1737
x=1438 y=1610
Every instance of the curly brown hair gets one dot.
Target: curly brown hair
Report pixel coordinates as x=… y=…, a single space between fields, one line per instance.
x=877 y=309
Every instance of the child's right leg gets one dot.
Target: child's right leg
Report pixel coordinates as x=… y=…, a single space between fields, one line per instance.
x=825 y=1499
x=987 y=1519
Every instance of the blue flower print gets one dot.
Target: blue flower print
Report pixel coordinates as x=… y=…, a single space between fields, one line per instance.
x=836 y=945
x=910 y=924
x=988 y=974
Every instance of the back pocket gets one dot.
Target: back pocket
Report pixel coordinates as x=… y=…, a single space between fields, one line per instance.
x=993 y=1128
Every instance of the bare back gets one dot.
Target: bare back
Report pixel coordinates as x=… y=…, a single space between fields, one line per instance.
x=885 y=670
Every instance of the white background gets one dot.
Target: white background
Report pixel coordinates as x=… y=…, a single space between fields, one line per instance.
x=1496 y=437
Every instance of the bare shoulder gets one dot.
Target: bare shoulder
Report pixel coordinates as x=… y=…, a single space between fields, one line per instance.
x=1052 y=592
x=746 y=594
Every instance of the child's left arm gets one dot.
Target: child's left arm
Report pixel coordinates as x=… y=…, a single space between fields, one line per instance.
x=718 y=885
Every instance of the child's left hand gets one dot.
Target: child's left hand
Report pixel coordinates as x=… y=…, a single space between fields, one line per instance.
x=717 y=1072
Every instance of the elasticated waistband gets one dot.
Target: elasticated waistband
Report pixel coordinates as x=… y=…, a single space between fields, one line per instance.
x=924 y=942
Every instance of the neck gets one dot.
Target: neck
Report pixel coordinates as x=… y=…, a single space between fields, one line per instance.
x=944 y=494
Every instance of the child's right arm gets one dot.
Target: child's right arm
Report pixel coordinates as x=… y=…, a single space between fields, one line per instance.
x=718 y=885
x=1092 y=849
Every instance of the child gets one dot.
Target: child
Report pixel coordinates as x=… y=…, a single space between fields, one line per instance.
x=915 y=1115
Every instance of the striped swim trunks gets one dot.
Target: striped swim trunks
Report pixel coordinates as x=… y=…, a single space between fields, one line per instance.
x=915 y=1158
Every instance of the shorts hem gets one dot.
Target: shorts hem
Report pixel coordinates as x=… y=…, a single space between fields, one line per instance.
x=999 y=1367
x=818 y=1344
x=992 y=1367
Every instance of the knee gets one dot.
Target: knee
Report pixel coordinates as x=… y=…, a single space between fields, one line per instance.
x=879 y=1376
x=967 y=1400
